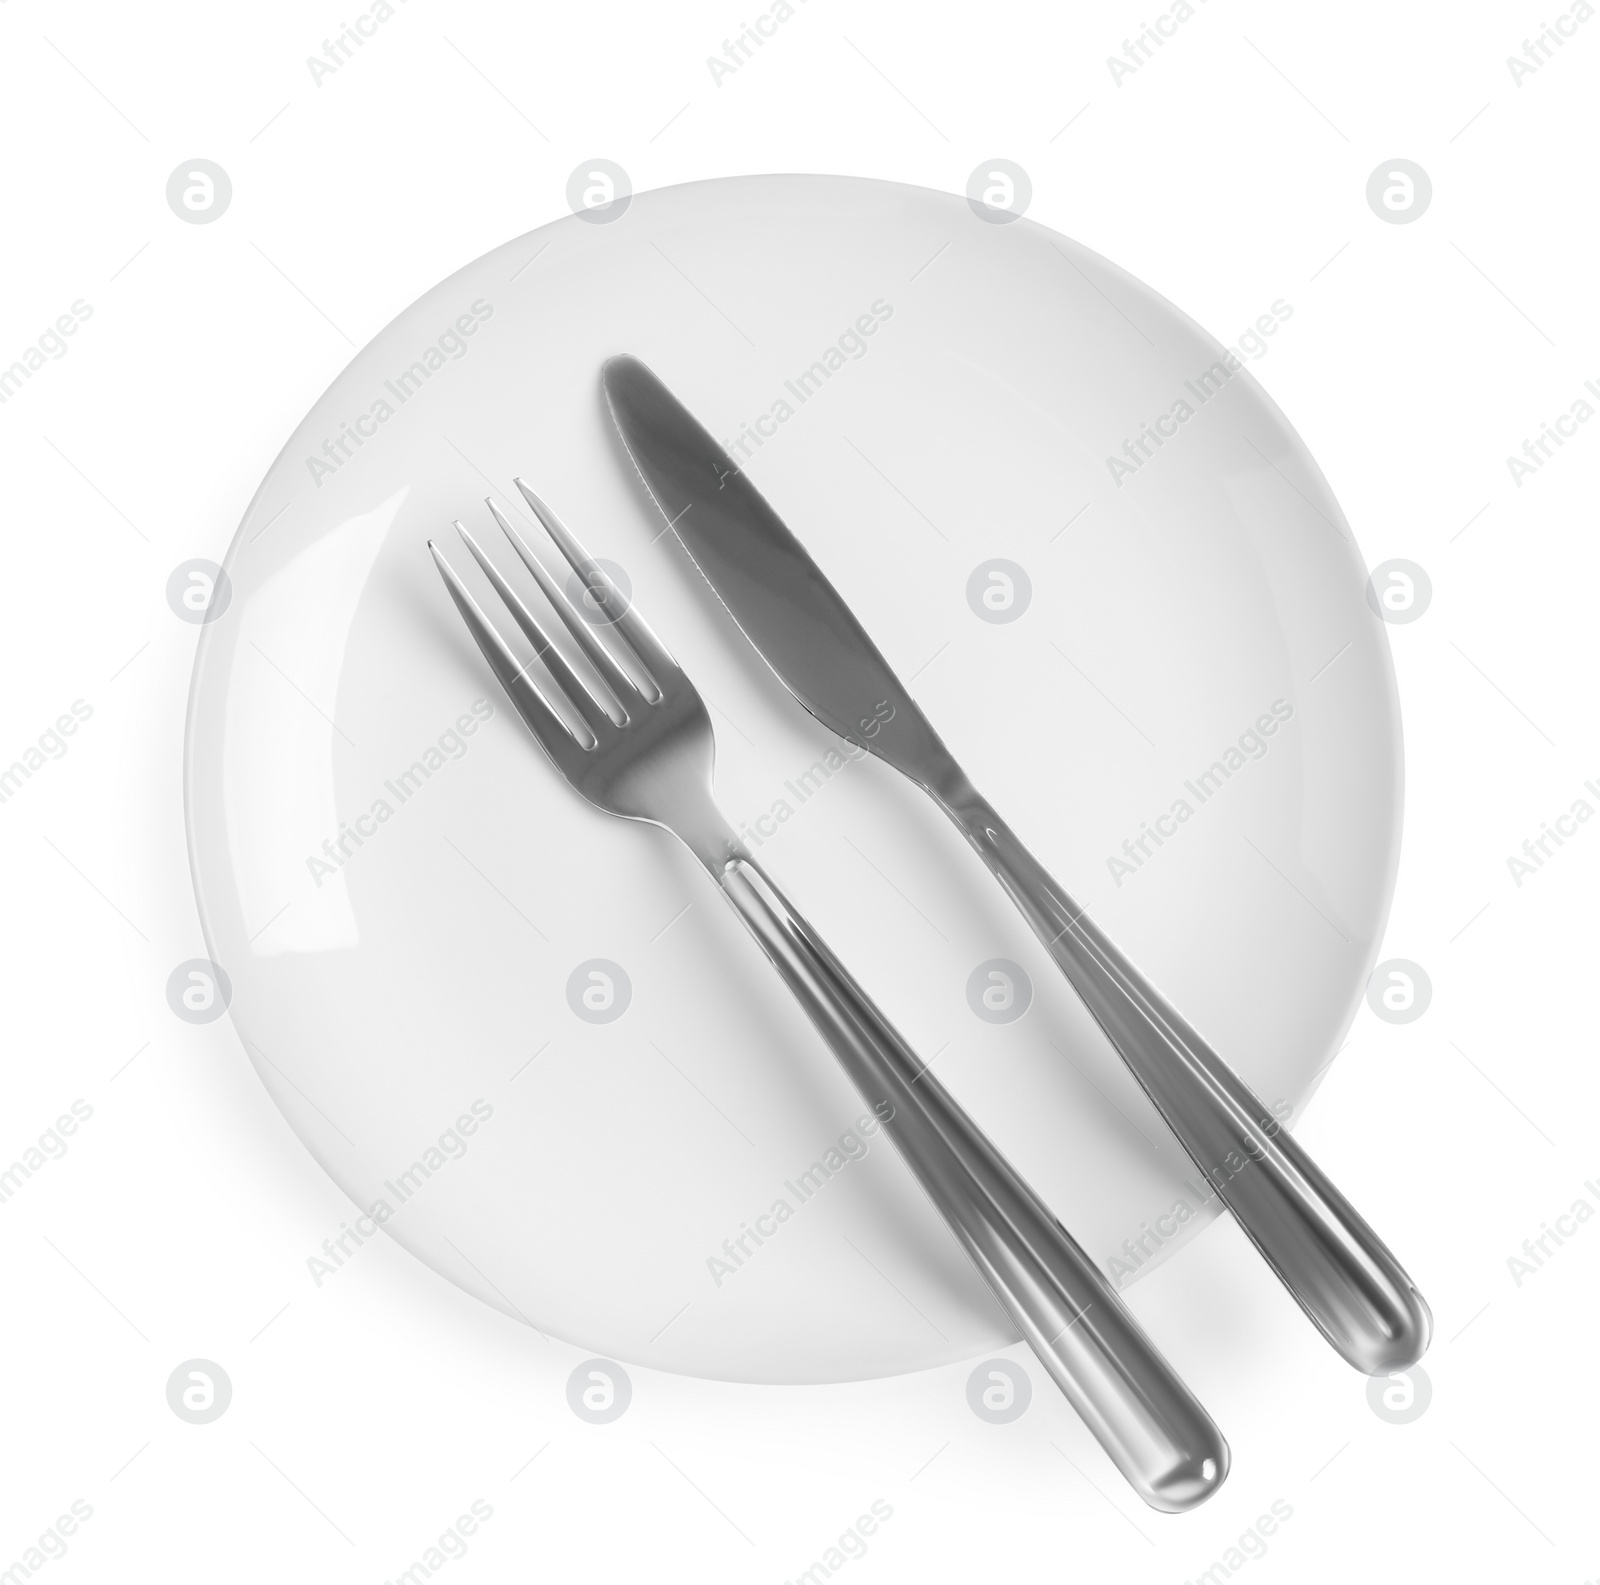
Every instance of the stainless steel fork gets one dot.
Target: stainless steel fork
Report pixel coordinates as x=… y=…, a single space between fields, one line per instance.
x=645 y=751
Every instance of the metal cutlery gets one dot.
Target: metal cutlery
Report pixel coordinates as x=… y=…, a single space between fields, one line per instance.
x=1342 y=1274
x=634 y=738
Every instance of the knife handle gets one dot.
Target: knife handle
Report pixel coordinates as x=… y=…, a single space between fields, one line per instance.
x=1343 y=1275
x=1150 y=1424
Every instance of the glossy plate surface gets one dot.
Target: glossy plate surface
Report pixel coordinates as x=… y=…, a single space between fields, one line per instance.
x=412 y=907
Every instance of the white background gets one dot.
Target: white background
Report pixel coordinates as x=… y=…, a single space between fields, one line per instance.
x=1228 y=171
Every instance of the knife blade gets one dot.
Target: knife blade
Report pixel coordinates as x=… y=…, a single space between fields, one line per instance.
x=765 y=578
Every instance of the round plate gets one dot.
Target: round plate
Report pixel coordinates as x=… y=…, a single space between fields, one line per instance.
x=528 y=1039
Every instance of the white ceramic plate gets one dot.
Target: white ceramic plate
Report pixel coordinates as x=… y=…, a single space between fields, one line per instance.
x=401 y=889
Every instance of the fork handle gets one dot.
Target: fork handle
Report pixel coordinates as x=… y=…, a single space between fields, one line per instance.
x=1150 y=1424
x=1343 y=1275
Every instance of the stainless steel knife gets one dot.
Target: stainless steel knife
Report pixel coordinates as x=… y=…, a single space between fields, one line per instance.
x=1342 y=1274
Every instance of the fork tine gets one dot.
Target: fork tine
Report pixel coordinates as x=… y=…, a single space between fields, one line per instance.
x=552 y=732
x=595 y=715
x=598 y=656
x=652 y=654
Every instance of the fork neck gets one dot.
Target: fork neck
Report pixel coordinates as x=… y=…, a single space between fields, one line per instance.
x=704 y=829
